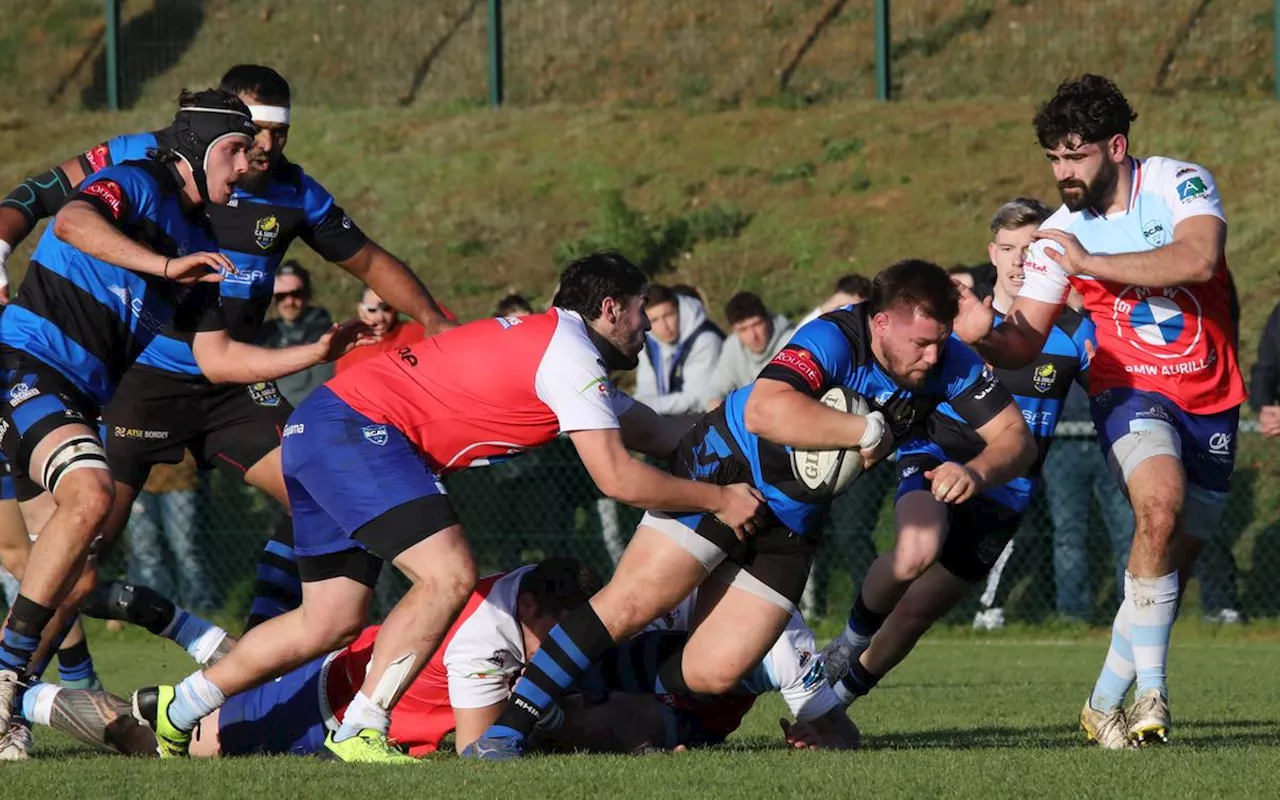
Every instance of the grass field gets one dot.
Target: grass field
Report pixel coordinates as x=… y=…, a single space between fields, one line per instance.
x=965 y=716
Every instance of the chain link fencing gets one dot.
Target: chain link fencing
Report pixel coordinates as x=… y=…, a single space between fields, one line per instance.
x=634 y=52
x=199 y=543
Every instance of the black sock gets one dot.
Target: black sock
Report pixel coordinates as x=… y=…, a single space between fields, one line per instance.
x=27 y=621
x=633 y=666
x=278 y=588
x=859 y=679
x=566 y=653
x=863 y=620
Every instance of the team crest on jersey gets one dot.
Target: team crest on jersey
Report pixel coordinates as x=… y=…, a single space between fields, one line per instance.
x=375 y=434
x=266 y=232
x=1043 y=377
x=1163 y=322
x=264 y=394
x=1156 y=234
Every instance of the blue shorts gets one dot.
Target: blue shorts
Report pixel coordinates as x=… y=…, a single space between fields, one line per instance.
x=918 y=456
x=343 y=470
x=1133 y=426
x=286 y=716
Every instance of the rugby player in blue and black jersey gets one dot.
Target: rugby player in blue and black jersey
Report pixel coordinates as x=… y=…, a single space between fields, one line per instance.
x=951 y=530
x=127 y=260
x=897 y=351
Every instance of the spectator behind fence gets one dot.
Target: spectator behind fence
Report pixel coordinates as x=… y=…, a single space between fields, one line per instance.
x=850 y=289
x=385 y=322
x=757 y=337
x=513 y=305
x=681 y=349
x=164 y=517
x=298 y=322
x=1264 y=379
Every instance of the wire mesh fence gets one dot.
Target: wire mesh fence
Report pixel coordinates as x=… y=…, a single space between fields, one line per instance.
x=199 y=544
x=636 y=52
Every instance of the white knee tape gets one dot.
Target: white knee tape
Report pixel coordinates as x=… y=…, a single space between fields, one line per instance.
x=1146 y=438
x=78 y=452
x=394 y=678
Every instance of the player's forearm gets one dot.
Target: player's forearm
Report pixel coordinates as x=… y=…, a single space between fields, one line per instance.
x=1005 y=457
x=790 y=418
x=237 y=362
x=1006 y=347
x=14 y=226
x=80 y=226
x=642 y=486
x=1175 y=264
x=395 y=283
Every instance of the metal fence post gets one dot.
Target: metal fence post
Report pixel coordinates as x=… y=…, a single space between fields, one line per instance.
x=883 y=77
x=113 y=54
x=495 y=53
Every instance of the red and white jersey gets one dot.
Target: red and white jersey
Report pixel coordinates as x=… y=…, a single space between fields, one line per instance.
x=488 y=390
x=1176 y=341
x=475 y=666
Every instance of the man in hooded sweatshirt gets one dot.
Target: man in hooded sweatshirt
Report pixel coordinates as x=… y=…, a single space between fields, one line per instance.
x=757 y=338
x=680 y=355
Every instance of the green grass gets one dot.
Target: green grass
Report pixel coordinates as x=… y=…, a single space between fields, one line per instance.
x=964 y=716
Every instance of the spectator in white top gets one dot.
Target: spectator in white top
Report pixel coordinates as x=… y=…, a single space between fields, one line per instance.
x=681 y=350
x=849 y=289
x=757 y=338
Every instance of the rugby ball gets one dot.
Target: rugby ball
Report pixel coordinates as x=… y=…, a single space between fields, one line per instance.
x=828 y=472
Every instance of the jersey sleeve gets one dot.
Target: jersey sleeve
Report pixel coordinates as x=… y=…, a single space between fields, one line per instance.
x=328 y=230
x=796 y=662
x=478 y=678
x=573 y=382
x=199 y=311
x=1043 y=279
x=1189 y=190
x=973 y=390
x=817 y=356
x=122 y=195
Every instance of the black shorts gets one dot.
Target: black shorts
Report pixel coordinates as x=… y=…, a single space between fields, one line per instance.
x=773 y=564
x=155 y=416
x=37 y=400
x=977 y=530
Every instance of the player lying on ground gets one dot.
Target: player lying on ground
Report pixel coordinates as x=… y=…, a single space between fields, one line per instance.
x=896 y=350
x=128 y=258
x=166 y=403
x=948 y=538
x=463 y=687
x=1143 y=241
x=363 y=456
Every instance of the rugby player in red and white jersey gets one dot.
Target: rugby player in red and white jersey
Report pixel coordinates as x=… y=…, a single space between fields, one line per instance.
x=465 y=685
x=363 y=456
x=1143 y=240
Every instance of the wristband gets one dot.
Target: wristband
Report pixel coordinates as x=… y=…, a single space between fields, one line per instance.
x=874 y=433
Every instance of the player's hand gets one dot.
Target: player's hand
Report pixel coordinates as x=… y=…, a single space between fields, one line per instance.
x=199 y=268
x=1269 y=419
x=872 y=457
x=831 y=731
x=740 y=507
x=1065 y=250
x=953 y=483
x=344 y=337
x=976 y=316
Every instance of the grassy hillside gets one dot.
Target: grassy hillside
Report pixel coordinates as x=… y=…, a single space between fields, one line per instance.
x=695 y=53
x=778 y=201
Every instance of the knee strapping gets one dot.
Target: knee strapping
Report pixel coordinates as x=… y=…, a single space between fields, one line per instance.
x=78 y=452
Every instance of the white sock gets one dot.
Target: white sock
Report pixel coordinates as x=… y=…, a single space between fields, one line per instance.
x=1152 y=605
x=856 y=641
x=37 y=702
x=193 y=699
x=362 y=713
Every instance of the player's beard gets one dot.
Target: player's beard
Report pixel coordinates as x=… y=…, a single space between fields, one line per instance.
x=614 y=358
x=1097 y=193
x=898 y=368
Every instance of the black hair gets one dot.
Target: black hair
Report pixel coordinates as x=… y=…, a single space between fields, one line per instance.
x=1090 y=108
x=916 y=284
x=854 y=284
x=587 y=281
x=292 y=267
x=744 y=306
x=264 y=83
x=512 y=303
x=560 y=584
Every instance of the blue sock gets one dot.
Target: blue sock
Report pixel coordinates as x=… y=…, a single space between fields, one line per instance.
x=193 y=700
x=27 y=621
x=75 y=667
x=199 y=637
x=634 y=665
x=277 y=588
x=1118 y=672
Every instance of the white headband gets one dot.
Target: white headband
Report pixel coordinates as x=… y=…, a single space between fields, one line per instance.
x=276 y=114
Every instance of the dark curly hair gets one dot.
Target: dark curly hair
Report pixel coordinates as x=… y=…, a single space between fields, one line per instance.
x=1090 y=107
